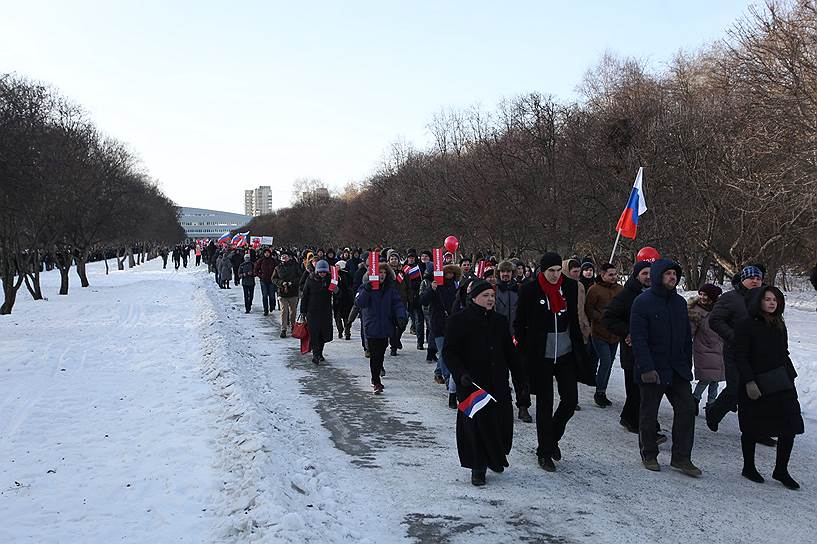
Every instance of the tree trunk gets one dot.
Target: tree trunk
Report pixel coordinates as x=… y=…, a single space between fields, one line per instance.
x=703 y=270
x=63 y=261
x=131 y=260
x=107 y=270
x=83 y=276
x=10 y=287
x=120 y=259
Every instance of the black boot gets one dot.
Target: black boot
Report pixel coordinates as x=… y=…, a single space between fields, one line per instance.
x=547 y=463
x=478 y=477
x=452 y=400
x=749 y=471
x=781 y=465
x=524 y=415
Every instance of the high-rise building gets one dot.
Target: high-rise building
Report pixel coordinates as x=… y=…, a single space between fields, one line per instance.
x=258 y=201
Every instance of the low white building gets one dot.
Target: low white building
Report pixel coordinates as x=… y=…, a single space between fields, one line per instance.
x=201 y=223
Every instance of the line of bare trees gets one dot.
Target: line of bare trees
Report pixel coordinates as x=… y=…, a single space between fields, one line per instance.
x=727 y=137
x=67 y=191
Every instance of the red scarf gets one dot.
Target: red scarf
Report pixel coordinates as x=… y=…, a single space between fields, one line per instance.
x=551 y=290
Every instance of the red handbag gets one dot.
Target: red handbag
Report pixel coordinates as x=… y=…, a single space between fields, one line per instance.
x=301 y=332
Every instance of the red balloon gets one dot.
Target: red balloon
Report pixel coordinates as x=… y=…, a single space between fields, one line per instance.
x=649 y=254
x=451 y=244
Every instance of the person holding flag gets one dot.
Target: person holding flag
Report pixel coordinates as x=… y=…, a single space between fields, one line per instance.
x=479 y=352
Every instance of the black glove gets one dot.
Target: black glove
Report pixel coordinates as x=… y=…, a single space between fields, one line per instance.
x=466 y=381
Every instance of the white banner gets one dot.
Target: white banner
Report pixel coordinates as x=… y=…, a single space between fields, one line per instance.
x=266 y=240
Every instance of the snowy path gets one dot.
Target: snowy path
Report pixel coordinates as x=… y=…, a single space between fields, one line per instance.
x=105 y=422
x=226 y=433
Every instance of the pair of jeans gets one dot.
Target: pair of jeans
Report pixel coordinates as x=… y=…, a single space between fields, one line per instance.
x=249 y=291
x=268 y=295
x=550 y=425
x=377 y=352
x=712 y=393
x=442 y=370
x=606 y=353
x=679 y=395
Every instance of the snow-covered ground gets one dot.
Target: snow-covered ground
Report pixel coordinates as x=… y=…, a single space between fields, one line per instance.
x=149 y=407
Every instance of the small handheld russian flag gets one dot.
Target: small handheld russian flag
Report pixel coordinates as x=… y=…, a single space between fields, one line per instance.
x=475 y=402
x=414 y=273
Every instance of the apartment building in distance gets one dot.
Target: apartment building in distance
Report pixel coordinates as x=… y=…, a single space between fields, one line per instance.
x=258 y=201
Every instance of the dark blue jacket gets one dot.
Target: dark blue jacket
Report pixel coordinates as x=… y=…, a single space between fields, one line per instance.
x=660 y=330
x=381 y=309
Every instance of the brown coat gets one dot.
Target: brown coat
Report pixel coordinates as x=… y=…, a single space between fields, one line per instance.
x=598 y=297
x=707 y=345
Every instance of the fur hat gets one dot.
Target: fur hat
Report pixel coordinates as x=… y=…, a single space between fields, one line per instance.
x=391 y=252
x=505 y=266
x=711 y=290
x=453 y=269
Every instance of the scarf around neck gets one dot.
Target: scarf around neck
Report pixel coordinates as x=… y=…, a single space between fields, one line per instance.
x=556 y=301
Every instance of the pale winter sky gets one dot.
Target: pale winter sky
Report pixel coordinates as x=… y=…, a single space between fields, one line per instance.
x=217 y=97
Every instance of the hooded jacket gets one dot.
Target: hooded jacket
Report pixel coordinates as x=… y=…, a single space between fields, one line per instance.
x=660 y=330
x=381 y=308
x=707 y=346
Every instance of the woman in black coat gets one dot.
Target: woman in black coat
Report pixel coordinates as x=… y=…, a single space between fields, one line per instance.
x=316 y=305
x=767 y=398
x=479 y=352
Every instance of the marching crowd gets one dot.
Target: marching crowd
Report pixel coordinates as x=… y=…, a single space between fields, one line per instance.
x=484 y=322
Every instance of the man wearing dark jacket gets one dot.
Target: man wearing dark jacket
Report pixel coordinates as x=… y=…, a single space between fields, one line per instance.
x=286 y=276
x=507 y=299
x=616 y=319
x=440 y=300
x=729 y=310
x=263 y=270
x=551 y=342
x=661 y=338
x=236 y=259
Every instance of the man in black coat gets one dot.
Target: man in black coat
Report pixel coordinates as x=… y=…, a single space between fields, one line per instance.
x=551 y=342
x=661 y=338
x=729 y=310
x=479 y=351
x=616 y=319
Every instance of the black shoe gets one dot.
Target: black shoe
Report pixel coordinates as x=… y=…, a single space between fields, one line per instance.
x=710 y=421
x=578 y=408
x=315 y=359
x=697 y=407
x=266 y=312
x=477 y=477
x=348 y=336
x=382 y=372
x=767 y=441
x=547 y=463
x=785 y=478
x=393 y=352
x=556 y=455
x=283 y=334
x=601 y=400
x=498 y=469
x=452 y=400
x=524 y=415
x=340 y=335
x=751 y=473
x=627 y=425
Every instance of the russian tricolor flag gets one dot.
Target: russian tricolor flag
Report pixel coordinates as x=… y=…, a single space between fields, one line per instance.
x=414 y=273
x=240 y=239
x=636 y=206
x=475 y=402
x=224 y=238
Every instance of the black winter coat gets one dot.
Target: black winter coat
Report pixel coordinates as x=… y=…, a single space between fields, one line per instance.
x=478 y=344
x=316 y=305
x=440 y=301
x=660 y=329
x=344 y=297
x=534 y=319
x=616 y=318
x=729 y=310
x=761 y=347
x=286 y=276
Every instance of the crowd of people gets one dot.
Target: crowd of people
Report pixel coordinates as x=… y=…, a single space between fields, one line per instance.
x=485 y=321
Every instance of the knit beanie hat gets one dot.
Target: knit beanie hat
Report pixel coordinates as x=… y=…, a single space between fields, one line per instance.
x=750 y=272
x=549 y=259
x=477 y=286
x=711 y=290
x=639 y=266
x=321 y=266
x=589 y=264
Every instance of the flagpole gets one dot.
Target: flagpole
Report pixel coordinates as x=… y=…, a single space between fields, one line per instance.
x=615 y=245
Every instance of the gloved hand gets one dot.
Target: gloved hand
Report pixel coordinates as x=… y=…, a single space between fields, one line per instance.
x=650 y=377
x=752 y=390
x=466 y=381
